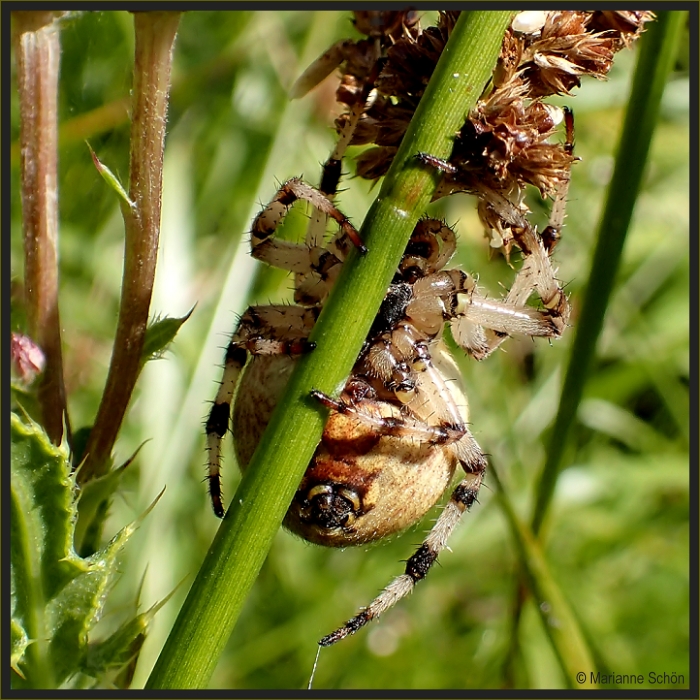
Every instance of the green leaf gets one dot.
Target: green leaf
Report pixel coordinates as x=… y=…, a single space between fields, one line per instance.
x=121 y=647
x=111 y=179
x=159 y=334
x=19 y=642
x=57 y=596
x=559 y=620
x=93 y=507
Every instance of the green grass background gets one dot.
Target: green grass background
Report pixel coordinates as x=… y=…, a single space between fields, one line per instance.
x=618 y=539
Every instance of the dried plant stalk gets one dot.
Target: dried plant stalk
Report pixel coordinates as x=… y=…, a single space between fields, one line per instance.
x=155 y=34
x=38 y=58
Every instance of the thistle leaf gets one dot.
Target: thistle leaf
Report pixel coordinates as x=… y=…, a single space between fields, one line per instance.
x=57 y=596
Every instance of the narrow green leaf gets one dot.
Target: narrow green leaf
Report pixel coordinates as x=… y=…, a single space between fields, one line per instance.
x=111 y=179
x=121 y=647
x=560 y=623
x=95 y=501
x=76 y=608
x=656 y=57
x=159 y=334
x=19 y=642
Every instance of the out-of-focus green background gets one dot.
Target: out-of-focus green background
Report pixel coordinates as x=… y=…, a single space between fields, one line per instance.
x=618 y=540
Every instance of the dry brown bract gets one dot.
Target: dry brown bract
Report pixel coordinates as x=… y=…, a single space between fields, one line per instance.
x=505 y=143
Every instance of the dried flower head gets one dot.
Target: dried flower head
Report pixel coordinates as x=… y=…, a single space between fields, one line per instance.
x=360 y=63
x=506 y=143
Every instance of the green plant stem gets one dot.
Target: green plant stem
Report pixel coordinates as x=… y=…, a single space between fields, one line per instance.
x=214 y=602
x=154 y=36
x=38 y=52
x=656 y=56
x=560 y=623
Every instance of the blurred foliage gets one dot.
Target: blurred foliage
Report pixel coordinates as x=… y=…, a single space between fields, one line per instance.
x=618 y=540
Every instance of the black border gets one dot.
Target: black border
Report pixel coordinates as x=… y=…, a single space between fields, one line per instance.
x=689 y=6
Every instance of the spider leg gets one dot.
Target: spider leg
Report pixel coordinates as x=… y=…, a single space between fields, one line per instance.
x=321 y=68
x=262 y=330
x=333 y=166
x=431 y=245
x=537 y=273
x=315 y=267
x=480 y=324
x=443 y=434
x=418 y=565
x=436 y=401
x=552 y=232
x=266 y=222
x=439 y=403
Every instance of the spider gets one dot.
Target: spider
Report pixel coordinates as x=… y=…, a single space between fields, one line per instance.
x=398 y=432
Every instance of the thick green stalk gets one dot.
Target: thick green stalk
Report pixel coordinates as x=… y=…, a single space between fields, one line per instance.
x=266 y=490
x=656 y=56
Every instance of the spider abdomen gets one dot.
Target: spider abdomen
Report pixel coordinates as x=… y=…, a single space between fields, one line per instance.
x=361 y=485
x=390 y=482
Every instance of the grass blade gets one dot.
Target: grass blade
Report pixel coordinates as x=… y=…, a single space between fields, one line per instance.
x=559 y=621
x=656 y=56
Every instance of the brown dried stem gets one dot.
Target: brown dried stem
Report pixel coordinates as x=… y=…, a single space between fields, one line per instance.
x=38 y=57
x=154 y=37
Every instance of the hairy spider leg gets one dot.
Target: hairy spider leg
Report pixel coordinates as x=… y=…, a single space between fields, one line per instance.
x=284 y=254
x=418 y=565
x=478 y=324
x=429 y=249
x=332 y=168
x=262 y=330
x=433 y=401
x=552 y=232
x=407 y=426
x=316 y=267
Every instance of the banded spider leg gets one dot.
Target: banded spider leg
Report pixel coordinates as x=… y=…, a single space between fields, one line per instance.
x=277 y=329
